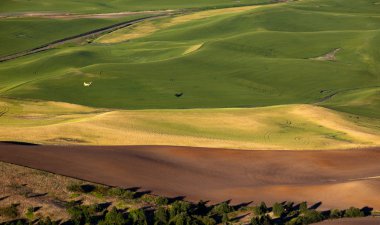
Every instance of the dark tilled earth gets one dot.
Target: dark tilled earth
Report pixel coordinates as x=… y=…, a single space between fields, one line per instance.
x=338 y=179
x=353 y=221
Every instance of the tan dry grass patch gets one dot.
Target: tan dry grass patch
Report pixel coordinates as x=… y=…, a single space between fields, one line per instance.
x=15 y=178
x=193 y=48
x=148 y=27
x=277 y=127
x=330 y=119
x=135 y=31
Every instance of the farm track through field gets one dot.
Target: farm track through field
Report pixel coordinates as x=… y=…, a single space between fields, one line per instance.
x=78 y=16
x=3 y=110
x=92 y=34
x=97 y=32
x=328 y=97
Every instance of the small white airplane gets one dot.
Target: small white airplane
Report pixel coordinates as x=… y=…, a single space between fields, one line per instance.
x=87 y=84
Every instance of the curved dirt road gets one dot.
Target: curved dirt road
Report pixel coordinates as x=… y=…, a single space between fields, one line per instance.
x=216 y=174
x=92 y=34
x=48 y=15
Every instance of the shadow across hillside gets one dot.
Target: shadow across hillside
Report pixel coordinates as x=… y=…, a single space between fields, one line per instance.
x=18 y=143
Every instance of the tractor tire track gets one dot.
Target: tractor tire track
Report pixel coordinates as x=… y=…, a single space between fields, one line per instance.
x=330 y=96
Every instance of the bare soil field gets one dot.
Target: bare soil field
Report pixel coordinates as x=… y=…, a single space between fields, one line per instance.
x=353 y=221
x=339 y=179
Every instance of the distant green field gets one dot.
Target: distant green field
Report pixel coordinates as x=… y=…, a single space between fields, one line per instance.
x=95 y=6
x=25 y=33
x=257 y=58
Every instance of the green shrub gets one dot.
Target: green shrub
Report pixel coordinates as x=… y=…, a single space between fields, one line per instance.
x=204 y=220
x=115 y=192
x=74 y=195
x=101 y=189
x=180 y=219
x=308 y=217
x=161 y=200
x=222 y=208
x=121 y=193
x=303 y=207
x=225 y=218
x=289 y=207
x=148 y=198
x=262 y=220
x=294 y=221
x=311 y=216
x=30 y=213
x=113 y=217
x=138 y=217
x=179 y=207
x=278 y=209
x=353 y=212
x=336 y=213
x=160 y=216
x=260 y=209
x=78 y=188
x=74 y=187
x=10 y=211
x=82 y=214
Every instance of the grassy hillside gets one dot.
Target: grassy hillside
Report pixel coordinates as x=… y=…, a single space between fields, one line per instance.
x=363 y=101
x=276 y=127
x=26 y=33
x=91 y=6
x=319 y=52
x=260 y=57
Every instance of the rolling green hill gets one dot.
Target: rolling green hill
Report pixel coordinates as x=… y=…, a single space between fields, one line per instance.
x=322 y=52
x=258 y=57
x=20 y=34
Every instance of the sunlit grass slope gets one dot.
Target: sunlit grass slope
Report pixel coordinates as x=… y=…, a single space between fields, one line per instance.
x=275 y=127
x=258 y=57
x=362 y=101
x=294 y=75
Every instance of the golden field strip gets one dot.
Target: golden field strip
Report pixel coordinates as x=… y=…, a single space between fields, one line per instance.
x=296 y=127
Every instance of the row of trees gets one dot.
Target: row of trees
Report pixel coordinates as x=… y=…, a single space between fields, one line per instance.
x=288 y=214
x=185 y=213
x=163 y=211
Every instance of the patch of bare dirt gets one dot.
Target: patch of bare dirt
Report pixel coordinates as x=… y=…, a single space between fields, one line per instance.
x=331 y=56
x=353 y=221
